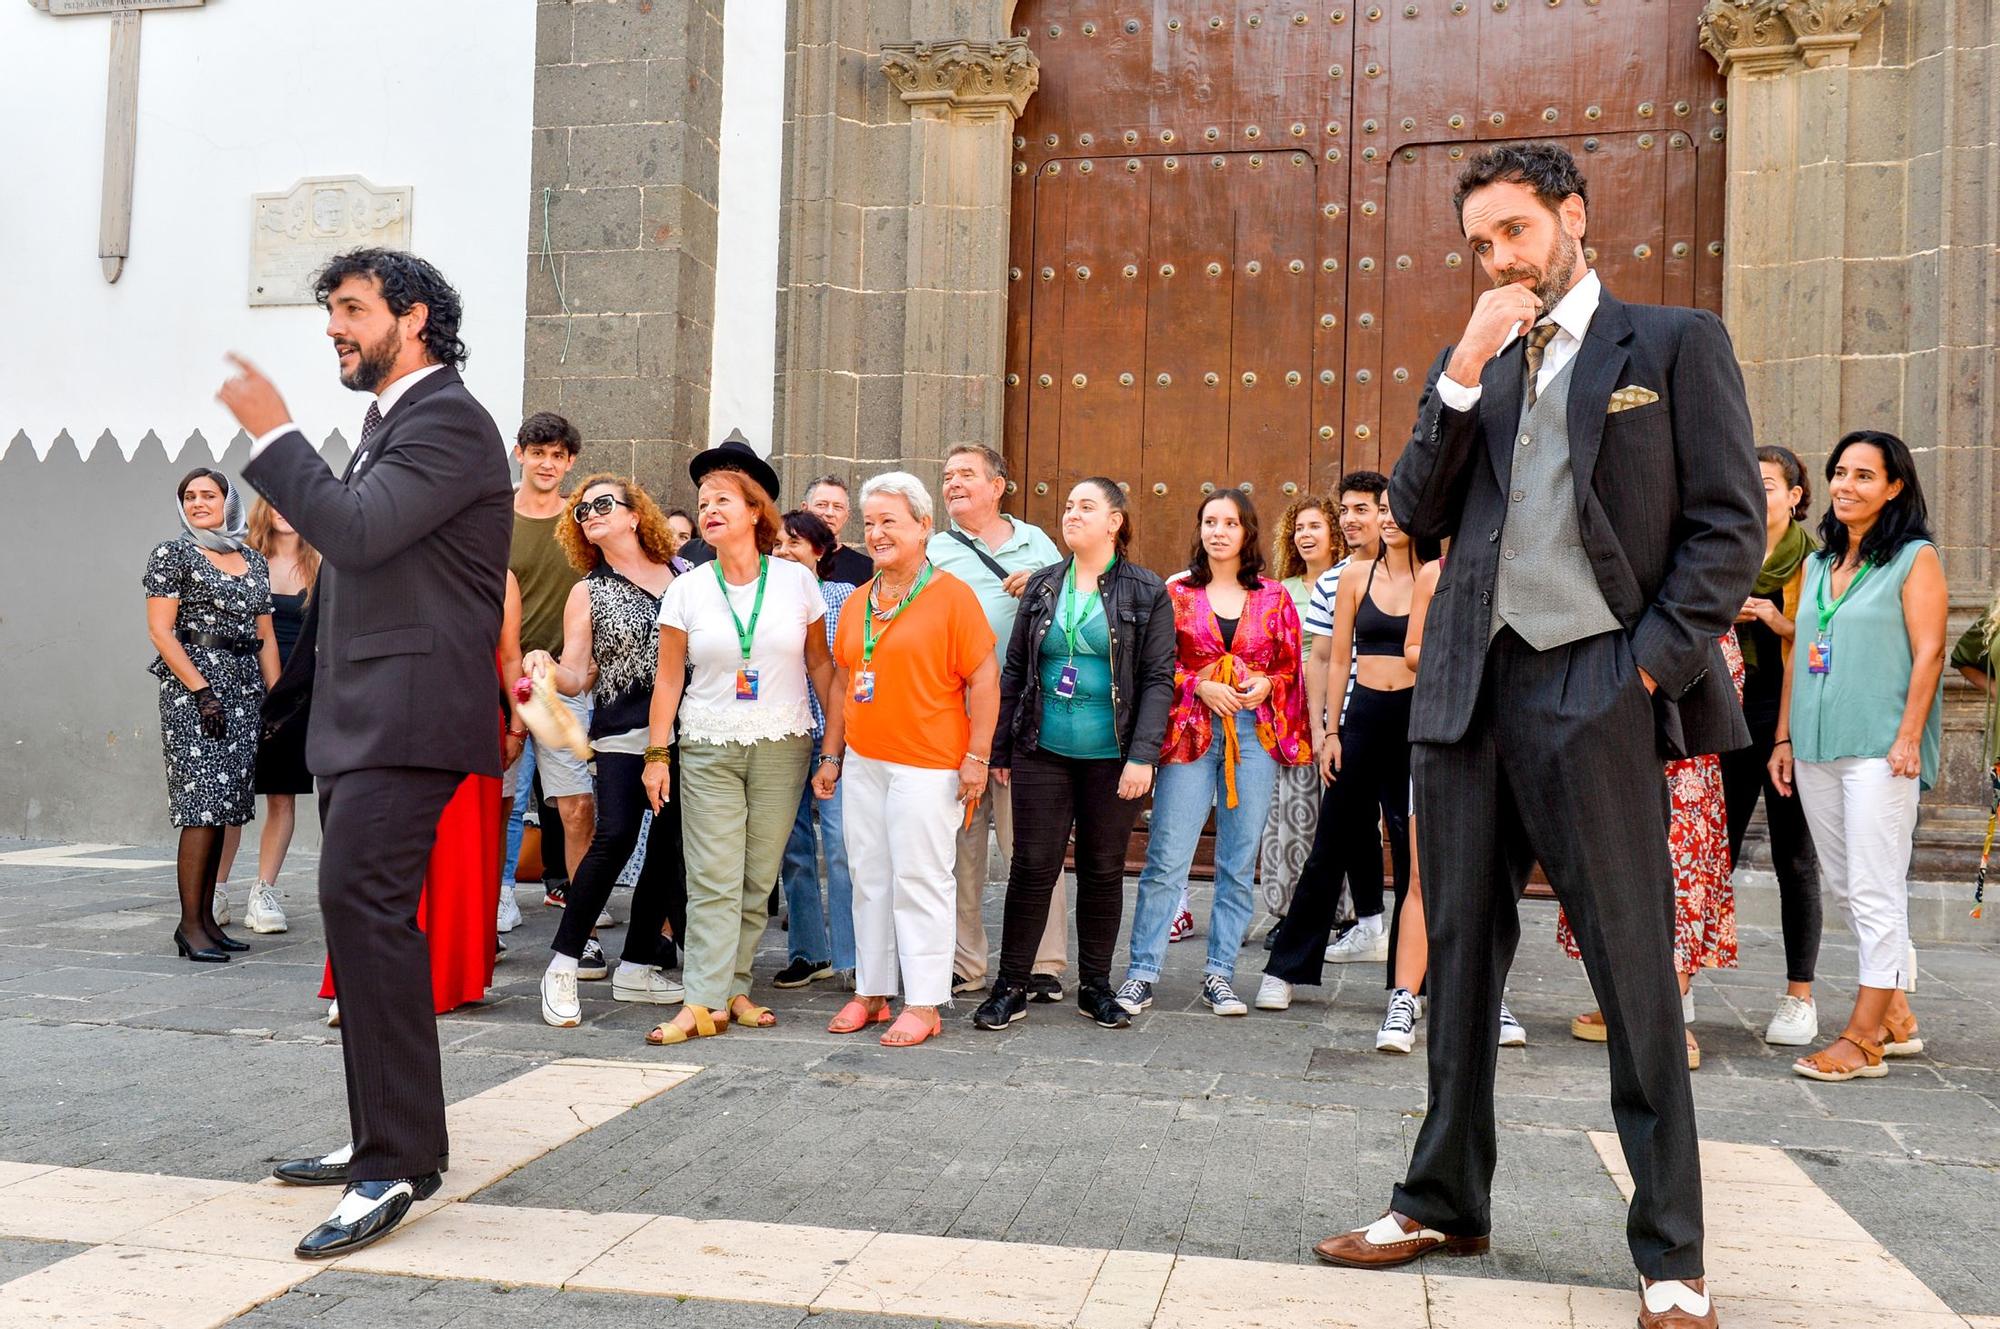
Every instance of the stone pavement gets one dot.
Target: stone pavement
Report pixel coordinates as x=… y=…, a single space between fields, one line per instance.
x=1245 y=1139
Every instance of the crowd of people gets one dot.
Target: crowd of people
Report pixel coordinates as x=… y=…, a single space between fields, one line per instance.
x=754 y=736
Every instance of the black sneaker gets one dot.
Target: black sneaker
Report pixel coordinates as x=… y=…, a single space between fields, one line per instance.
x=1097 y=1003
x=590 y=965
x=1045 y=988
x=1271 y=937
x=1007 y=1003
x=960 y=984
x=801 y=972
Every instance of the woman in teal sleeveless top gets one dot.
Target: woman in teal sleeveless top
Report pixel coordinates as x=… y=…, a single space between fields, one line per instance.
x=1858 y=732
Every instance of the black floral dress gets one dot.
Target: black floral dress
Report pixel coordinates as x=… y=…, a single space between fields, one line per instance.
x=209 y=780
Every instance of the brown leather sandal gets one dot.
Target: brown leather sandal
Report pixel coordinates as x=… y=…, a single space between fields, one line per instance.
x=1902 y=1040
x=1820 y=1065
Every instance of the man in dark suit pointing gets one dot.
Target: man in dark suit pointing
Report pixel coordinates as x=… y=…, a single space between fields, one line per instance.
x=1592 y=463
x=415 y=539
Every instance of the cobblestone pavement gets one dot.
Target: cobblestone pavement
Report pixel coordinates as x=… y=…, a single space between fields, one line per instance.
x=1246 y=1138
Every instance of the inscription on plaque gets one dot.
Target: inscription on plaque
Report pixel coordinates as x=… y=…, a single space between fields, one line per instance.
x=112 y=6
x=297 y=231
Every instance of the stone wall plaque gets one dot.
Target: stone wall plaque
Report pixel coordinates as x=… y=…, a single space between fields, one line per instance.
x=295 y=232
x=112 y=6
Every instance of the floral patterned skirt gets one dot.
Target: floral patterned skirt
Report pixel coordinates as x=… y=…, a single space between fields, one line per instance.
x=1698 y=842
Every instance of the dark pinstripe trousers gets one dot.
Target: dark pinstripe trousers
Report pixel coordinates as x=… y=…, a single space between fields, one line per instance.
x=1559 y=765
x=377 y=828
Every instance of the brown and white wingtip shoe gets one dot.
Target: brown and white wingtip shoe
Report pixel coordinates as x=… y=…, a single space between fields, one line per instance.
x=1674 y=1304
x=1391 y=1240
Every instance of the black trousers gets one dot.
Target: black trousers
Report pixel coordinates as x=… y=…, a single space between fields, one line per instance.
x=1052 y=794
x=1559 y=764
x=377 y=829
x=1745 y=775
x=1373 y=781
x=555 y=858
x=660 y=895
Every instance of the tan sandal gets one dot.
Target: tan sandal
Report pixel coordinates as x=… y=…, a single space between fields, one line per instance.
x=670 y=1033
x=1590 y=1027
x=911 y=1029
x=751 y=1016
x=1902 y=1040
x=1694 y=1051
x=855 y=1016
x=1821 y=1066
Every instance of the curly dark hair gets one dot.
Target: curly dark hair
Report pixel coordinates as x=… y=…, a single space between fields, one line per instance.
x=1904 y=518
x=1250 y=568
x=405 y=280
x=1546 y=168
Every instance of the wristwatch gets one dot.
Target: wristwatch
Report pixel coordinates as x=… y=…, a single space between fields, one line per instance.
x=826 y=757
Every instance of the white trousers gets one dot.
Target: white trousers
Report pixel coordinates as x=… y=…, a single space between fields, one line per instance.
x=901 y=827
x=1862 y=819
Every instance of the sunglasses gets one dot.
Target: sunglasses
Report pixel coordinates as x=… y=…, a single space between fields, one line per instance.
x=601 y=505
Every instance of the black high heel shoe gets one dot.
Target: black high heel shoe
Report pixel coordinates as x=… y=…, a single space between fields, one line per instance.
x=223 y=941
x=206 y=955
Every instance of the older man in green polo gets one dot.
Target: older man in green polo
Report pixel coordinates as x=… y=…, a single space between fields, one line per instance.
x=993 y=554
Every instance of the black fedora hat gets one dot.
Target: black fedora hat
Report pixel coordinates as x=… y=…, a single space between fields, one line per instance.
x=735 y=454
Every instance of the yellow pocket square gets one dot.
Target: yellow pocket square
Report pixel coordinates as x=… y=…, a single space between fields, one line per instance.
x=1627 y=398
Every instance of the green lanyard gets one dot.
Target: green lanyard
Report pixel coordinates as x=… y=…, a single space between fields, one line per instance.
x=869 y=634
x=1071 y=622
x=745 y=633
x=1827 y=612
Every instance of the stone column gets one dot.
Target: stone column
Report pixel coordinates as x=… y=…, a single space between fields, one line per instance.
x=964 y=97
x=621 y=263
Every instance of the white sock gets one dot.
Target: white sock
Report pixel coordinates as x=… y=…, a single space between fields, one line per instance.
x=562 y=964
x=626 y=969
x=1372 y=923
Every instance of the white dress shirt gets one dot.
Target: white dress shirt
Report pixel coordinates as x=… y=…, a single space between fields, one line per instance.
x=385 y=402
x=1571 y=316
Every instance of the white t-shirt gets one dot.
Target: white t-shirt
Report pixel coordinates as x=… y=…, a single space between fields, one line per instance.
x=710 y=711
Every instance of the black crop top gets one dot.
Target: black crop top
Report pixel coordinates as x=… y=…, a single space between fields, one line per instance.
x=1376 y=632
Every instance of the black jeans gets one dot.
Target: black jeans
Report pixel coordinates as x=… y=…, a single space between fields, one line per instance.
x=1374 y=780
x=661 y=892
x=1052 y=794
x=1793 y=858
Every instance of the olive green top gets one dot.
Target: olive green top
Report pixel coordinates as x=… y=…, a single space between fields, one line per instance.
x=539 y=564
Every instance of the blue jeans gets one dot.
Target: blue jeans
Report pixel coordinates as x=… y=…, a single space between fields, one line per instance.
x=524 y=793
x=816 y=931
x=1182 y=796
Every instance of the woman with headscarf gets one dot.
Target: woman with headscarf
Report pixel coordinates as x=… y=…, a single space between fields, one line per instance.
x=208 y=612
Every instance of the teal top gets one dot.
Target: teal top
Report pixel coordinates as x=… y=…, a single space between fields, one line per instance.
x=1081 y=726
x=1854 y=709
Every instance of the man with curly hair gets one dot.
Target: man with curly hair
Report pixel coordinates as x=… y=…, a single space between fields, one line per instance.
x=414 y=539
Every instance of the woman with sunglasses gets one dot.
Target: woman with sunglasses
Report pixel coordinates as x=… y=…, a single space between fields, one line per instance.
x=617 y=538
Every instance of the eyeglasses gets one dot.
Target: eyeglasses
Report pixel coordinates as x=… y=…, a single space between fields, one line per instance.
x=601 y=505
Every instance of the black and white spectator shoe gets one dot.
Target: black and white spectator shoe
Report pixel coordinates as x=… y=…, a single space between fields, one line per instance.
x=369 y=1211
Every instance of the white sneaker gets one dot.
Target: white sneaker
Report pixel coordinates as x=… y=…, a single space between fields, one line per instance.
x=1362 y=944
x=1274 y=994
x=1795 y=1025
x=1687 y=1006
x=265 y=914
x=333 y=1014
x=1399 y=1026
x=560 y=1006
x=510 y=910
x=605 y=920
x=1512 y=1035
x=221 y=906
x=651 y=984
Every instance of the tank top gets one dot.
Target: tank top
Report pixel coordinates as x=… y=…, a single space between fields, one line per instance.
x=1377 y=632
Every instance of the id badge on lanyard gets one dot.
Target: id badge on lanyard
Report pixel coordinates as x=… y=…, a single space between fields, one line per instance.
x=1066 y=682
x=864 y=685
x=1819 y=656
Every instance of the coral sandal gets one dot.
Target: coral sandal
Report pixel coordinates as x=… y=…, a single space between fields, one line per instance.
x=1821 y=1066
x=911 y=1029
x=1902 y=1040
x=750 y=1015
x=855 y=1016
x=705 y=1026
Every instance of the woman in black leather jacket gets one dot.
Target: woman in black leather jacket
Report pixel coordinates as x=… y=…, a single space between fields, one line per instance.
x=1084 y=699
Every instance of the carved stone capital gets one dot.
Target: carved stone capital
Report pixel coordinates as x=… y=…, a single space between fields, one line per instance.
x=1828 y=29
x=1769 y=37
x=976 y=79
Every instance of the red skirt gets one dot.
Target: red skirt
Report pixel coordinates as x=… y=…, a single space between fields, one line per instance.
x=461 y=896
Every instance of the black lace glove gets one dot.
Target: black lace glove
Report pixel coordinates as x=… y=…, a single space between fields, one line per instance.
x=213 y=723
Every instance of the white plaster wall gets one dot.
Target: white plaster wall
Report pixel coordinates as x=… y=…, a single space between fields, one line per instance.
x=742 y=384
x=241 y=97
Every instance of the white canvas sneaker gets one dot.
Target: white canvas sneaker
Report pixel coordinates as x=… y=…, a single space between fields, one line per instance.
x=265 y=914
x=1364 y=943
x=1399 y=1026
x=560 y=1006
x=221 y=906
x=510 y=910
x=1795 y=1025
x=650 y=984
x=1512 y=1035
x=1274 y=994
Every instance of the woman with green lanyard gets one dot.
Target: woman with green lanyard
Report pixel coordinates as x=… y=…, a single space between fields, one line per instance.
x=737 y=644
x=1858 y=732
x=1084 y=699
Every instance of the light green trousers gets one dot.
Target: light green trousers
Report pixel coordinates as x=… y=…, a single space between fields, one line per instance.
x=738 y=802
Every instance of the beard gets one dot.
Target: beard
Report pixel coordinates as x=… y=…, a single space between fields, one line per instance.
x=1551 y=282
x=374 y=364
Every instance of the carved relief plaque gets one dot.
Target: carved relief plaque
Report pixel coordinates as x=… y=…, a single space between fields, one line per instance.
x=295 y=232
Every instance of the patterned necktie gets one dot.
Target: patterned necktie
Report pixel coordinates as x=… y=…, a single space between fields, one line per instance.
x=372 y=422
x=1539 y=338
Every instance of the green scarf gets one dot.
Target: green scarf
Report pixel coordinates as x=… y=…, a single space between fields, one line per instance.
x=1780 y=566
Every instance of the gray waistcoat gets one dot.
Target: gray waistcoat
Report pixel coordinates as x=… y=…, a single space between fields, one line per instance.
x=1544 y=588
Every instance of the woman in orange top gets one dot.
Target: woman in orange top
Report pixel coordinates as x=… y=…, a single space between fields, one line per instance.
x=909 y=743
